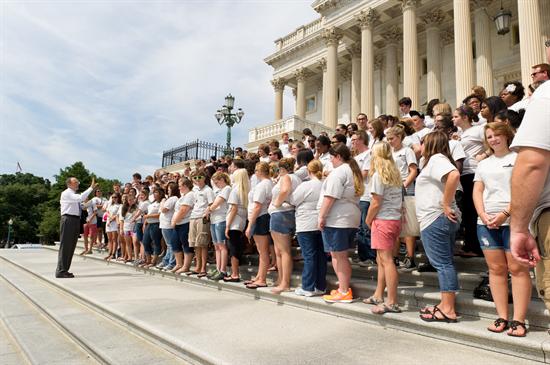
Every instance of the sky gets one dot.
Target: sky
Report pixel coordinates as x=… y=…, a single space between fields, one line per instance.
x=114 y=83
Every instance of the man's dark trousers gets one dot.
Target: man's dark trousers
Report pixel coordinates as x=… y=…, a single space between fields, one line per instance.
x=70 y=230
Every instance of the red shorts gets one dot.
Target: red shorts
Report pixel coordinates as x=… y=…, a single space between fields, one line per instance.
x=90 y=230
x=384 y=233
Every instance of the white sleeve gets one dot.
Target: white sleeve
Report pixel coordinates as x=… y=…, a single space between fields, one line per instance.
x=377 y=187
x=410 y=156
x=298 y=195
x=335 y=184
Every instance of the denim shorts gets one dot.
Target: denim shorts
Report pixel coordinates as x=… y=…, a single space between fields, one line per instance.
x=283 y=222
x=138 y=230
x=494 y=239
x=182 y=231
x=261 y=227
x=217 y=230
x=338 y=239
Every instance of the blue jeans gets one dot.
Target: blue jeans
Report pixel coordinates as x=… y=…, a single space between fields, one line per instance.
x=364 y=249
x=315 y=261
x=439 y=240
x=151 y=239
x=169 y=259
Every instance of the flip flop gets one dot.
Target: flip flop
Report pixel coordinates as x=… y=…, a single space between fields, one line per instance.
x=433 y=318
x=372 y=300
x=189 y=273
x=202 y=275
x=384 y=308
x=256 y=286
x=229 y=279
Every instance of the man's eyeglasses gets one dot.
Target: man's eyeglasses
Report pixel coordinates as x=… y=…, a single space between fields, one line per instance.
x=535 y=73
x=310 y=141
x=198 y=177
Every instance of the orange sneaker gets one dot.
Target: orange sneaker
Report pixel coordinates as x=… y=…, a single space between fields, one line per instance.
x=339 y=297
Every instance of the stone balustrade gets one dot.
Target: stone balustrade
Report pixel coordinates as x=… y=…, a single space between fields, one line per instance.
x=299 y=34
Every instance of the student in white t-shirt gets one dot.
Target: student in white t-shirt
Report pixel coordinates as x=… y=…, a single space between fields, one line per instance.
x=129 y=207
x=439 y=220
x=384 y=219
x=339 y=217
x=421 y=130
x=143 y=204
x=492 y=201
x=152 y=235
x=218 y=214
x=111 y=225
x=99 y=202
x=180 y=222
x=259 y=199
x=165 y=223
x=90 y=227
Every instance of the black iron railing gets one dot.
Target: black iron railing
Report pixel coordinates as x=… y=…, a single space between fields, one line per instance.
x=196 y=150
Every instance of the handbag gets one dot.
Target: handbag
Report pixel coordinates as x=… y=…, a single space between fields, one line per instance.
x=483 y=290
x=409 y=223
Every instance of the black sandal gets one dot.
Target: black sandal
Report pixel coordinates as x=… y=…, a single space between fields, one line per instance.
x=498 y=323
x=433 y=318
x=514 y=326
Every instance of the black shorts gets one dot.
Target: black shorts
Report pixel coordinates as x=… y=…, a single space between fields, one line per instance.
x=100 y=223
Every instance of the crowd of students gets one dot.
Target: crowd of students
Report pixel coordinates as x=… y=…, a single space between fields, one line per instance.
x=449 y=170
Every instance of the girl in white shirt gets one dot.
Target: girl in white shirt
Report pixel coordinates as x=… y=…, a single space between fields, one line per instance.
x=439 y=220
x=126 y=218
x=137 y=236
x=339 y=217
x=168 y=232
x=492 y=201
x=111 y=226
x=384 y=219
x=180 y=222
x=152 y=235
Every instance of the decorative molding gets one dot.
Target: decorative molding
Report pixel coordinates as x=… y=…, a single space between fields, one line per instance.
x=332 y=36
x=407 y=4
x=354 y=50
x=278 y=84
x=434 y=18
x=319 y=84
x=301 y=74
x=448 y=36
x=294 y=92
x=367 y=18
x=480 y=4
x=378 y=61
x=345 y=74
x=393 y=35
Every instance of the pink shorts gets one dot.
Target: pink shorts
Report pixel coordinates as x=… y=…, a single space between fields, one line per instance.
x=90 y=230
x=128 y=233
x=384 y=233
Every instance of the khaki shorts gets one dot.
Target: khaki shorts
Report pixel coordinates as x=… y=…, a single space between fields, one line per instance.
x=199 y=233
x=542 y=270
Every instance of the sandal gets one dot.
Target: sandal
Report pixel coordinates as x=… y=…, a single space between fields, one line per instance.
x=514 y=326
x=256 y=286
x=500 y=325
x=190 y=273
x=229 y=279
x=385 y=308
x=434 y=318
x=373 y=300
x=247 y=282
x=202 y=274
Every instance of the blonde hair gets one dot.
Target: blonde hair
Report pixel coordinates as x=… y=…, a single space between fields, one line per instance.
x=382 y=163
x=221 y=176
x=499 y=129
x=242 y=182
x=263 y=168
x=287 y=163
x=397 y=131
x=315 y=167
x=442 y=108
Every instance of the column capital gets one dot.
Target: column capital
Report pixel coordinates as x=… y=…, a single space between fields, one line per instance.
x=322 y=64
x=378 y=61
x=278 y=84
x=409 y=4
x=480 y=4
x=345 y=74
x=434 y=18
x=294 y=92
x=367 y=18
x=354 y=50
x=392 y=35
x=332 y=36
x=301 y=74
x=448 y=36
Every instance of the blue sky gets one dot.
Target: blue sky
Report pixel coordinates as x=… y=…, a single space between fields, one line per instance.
x=114 y=83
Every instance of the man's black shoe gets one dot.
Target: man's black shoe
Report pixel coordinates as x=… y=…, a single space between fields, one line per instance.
x=64 y=275
x=426 y=268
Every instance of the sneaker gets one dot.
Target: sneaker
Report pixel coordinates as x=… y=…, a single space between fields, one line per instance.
x=426 y=268
x=396 y=261
x=303 y=293
x=407 y=264
x=367 y=263
x=318 y=292
x=168 y=268
x=339 y=297
x=219 y=276
x=160 y=266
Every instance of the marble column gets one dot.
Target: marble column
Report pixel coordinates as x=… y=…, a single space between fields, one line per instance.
x=355 y=52
x=392 y=36
x=484 y=55
x=332 y=37
x=433 y=20
x=367 y=18
x=530 y=35
x=464 y=63
x=411 y=74
x=278 y=86
x=300 y=75
x=323 y=67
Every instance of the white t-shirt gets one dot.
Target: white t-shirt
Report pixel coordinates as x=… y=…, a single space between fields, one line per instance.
x=218 y=215
x=261 y=193
x=112 y=224
x=392 y=199
x=165 y=218
x=363 y=160
x=535 y=132
x=457 y=151
x=91 y=209
x=239 y=221
x=128 y=225
x=472 y=140
x=305 y=198
x=203 y=198
x=286 y=206
x=99 y=201
x=142 y=206
x=284 y=149
x=480 y=121
x=153 y=208
x=345 y=211
x=325 y=161
x=430 y=189
x=403 y=159
x=302 y=173
x=188 y=200
x=418 y=136
x=496 y=173
x=429 y=122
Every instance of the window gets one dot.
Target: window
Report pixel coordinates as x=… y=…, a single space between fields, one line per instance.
x=311 y=104
x=424 y=65
x=338 y=95
x=515 y=34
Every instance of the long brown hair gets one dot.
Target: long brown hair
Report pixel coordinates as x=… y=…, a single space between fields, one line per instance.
x=434 y=143
x=341 y=150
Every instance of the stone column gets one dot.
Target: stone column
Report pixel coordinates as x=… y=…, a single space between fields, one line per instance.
x=332 y=37
x=392 y=36
x=367 y=19
x=300 y=75
x=464 y=64
x=484 y=55
x=323 y=67
x=530 y=48
x=433 y=20
x=355 y=52
x=278 y=86
x=411 y=73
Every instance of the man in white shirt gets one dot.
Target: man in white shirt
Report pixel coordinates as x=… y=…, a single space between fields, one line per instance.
x=70 y=224
x=284 y=145
x=405 y=104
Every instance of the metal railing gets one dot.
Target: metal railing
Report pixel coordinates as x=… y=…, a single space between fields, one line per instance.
x=196 y=150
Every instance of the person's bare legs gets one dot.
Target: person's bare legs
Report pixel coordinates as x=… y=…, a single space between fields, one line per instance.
x=179 y=262
x=521 y=291
x=410 y=243
x=342 y=267
x=262 y=243
x=390 y=275
x=284 y=261
x=223 y=257
x=272 y=255
x=498 y=281
x=381 y=279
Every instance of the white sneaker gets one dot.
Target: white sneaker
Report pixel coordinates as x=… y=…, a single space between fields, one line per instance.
x=304 y=293
x=317 y=292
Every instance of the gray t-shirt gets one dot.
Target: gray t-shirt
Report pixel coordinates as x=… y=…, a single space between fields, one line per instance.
x=239 y=220
x=261 y=193
x=218 y=215
x=166 y=217
x=472 y=141
x=286 y=206
x=203 y=198
x=305 y=199
x=392 y=199
x=363 y=160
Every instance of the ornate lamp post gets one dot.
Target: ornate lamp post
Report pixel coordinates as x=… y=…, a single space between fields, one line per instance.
x=10 y=224
x=225 y=116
